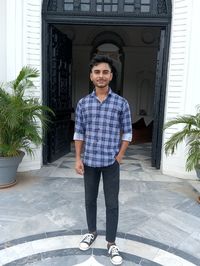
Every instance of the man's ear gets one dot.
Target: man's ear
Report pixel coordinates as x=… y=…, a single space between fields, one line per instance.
x=91 y=76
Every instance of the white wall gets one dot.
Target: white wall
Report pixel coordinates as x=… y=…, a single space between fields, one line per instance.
x=183 y=91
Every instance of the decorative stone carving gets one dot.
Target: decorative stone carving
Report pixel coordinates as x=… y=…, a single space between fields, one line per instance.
x=52 y=5
x=161 y=7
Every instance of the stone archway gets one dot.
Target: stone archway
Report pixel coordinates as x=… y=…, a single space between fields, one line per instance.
x=111 y=44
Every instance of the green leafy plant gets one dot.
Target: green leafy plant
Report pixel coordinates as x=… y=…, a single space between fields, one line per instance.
x=191 y=134
x=21 y=116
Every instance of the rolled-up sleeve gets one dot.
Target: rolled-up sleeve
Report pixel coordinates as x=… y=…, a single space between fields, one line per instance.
x=79 y=132
x=126 y=122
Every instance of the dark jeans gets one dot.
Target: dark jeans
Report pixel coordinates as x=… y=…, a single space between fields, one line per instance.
x=110 y=176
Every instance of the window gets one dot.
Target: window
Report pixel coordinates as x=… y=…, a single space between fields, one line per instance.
x=107 y=5
x=145 y=6
x=129 y=5
x=85 y=5
x=68 y=5
x=81 y=5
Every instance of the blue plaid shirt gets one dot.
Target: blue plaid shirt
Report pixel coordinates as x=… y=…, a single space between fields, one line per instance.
x=102 y=126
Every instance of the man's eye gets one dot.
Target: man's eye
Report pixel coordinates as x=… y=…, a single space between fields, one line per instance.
x=106 y=72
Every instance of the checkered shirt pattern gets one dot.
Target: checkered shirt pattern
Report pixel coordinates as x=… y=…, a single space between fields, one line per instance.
x=102 y=126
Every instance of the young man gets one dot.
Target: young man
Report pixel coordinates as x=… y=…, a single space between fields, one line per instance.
x=103 y=126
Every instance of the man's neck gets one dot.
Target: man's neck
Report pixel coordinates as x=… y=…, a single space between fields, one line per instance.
x=102 y=93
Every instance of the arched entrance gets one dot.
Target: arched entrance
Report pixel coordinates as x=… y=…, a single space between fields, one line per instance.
x=111 y=44
x=70 y=29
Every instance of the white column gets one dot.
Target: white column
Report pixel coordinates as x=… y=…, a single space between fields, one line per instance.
x=181 y=84
x=193 y=82
x=14 y=37
x=3 y=63
x=32 y=45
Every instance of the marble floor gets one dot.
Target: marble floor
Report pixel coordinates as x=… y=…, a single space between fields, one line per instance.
x=42 y=217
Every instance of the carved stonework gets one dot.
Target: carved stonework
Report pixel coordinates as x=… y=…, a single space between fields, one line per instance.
x=110 y=8
x=52 y=5
x=162 y=7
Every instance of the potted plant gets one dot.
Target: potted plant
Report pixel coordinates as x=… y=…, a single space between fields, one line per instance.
x=21 y=118
x=191 y=133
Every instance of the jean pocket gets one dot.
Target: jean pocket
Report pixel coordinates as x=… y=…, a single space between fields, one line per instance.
x=117 y=162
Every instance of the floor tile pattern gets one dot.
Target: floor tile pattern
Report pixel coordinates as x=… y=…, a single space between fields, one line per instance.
x=42 y=217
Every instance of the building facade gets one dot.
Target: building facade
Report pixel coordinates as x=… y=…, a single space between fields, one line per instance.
x=156 y=60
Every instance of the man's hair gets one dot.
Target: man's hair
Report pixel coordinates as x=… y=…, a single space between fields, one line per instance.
x=98 y=59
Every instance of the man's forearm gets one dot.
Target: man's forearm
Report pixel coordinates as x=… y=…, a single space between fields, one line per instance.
x=78 y=148
x=123 y=148
x=79 y=164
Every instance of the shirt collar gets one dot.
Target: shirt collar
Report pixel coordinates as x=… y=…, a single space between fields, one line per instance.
x=110 y=92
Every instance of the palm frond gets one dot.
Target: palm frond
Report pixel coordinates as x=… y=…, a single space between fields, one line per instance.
x=21 y=118
x=193 y=157
x=26 y=73
x=175 y=139
x=190 y=133
x=187 y=120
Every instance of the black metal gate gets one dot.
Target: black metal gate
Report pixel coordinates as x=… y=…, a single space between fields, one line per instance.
x=59 y=93
x=158 y=104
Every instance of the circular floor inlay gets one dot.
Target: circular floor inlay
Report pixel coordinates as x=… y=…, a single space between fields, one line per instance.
x=135 y=250
x=89 y=262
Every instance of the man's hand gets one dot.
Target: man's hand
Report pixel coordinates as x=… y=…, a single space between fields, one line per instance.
x=79 y=167
x=124 y=146
x=118 y=158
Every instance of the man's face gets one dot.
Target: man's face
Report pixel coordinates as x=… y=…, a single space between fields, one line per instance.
x=101 y=75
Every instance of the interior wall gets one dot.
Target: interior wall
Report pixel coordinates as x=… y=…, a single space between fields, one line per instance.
x=140 y=52
x=140 y=64
x=80 y=73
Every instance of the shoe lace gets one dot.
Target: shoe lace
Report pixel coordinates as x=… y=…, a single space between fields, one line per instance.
x=88 y=238
x=115 y=251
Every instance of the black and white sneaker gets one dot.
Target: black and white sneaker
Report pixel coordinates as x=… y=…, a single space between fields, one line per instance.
x=87 y=241
x=115 y=257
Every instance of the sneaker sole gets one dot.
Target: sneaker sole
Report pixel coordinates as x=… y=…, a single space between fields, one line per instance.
x=116 y=263
x=84 y=249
